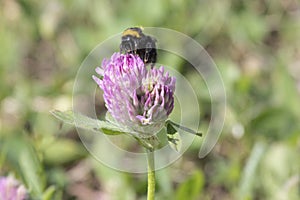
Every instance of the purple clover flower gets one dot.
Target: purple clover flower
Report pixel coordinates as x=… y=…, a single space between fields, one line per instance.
x=11 y=189
x=136 y=97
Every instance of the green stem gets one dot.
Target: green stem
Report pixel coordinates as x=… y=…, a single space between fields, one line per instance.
x=151 y=175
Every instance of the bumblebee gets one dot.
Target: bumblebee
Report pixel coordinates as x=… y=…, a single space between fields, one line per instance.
x=135 y=41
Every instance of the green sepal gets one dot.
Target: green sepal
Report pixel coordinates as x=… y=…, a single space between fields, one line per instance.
x=175 y=141
x=170 y=128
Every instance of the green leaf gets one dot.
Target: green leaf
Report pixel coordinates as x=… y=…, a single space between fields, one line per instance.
x=48 y=194
x=274 y=123
x=250 y=171
x=191 y=188
x=23 y=157
x=66 y=117
x=81 y=121
x=67 y=149
x=31 y=170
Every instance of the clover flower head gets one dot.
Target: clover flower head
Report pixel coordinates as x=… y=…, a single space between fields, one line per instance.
x=136 y=97
x=11 y=189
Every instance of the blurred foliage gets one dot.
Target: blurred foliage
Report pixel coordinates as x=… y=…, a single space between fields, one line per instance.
x=255 y=45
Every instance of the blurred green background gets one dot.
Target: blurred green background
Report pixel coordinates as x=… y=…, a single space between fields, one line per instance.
x=256 y=47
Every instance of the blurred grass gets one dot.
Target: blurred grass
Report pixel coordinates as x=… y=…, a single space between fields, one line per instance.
x=255 y=45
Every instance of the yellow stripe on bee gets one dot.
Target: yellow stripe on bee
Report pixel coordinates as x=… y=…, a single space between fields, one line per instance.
x=131 y=32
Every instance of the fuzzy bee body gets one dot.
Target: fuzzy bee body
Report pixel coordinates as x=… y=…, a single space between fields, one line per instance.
x=135 y=41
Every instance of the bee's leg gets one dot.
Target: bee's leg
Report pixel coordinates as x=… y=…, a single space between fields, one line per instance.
x=148 y=51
